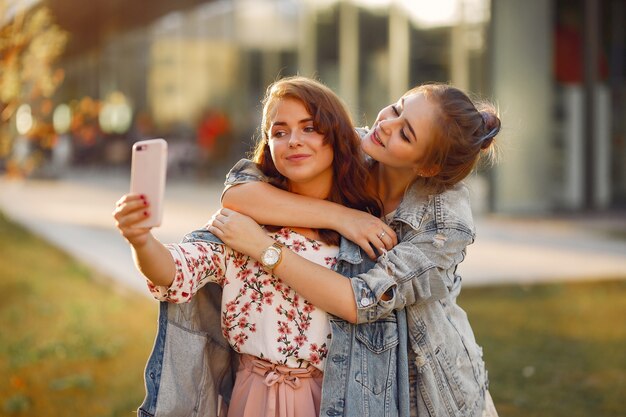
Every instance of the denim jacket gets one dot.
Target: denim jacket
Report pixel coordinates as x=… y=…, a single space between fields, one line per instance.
x=367 y=368
x=191 y=368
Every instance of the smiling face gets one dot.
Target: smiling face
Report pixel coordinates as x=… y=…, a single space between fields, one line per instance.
x=299 y=152
x=403 y=133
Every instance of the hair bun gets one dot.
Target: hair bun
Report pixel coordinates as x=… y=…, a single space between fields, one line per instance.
x=492 y=127
x=486 y=143
x=490 y=119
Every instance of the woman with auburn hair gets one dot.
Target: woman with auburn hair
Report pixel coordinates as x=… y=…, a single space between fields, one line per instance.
x=281 y=340
x=404 y=347
x=329 y=114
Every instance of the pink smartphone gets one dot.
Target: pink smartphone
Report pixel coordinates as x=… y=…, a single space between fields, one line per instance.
x=147 y=176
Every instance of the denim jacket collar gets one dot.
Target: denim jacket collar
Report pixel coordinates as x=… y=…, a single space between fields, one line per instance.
x=405 y=213
x=413 y=207
x=349 y=252
x=449 y=209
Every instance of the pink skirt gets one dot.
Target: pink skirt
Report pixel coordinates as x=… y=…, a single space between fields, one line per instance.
x=263 y=389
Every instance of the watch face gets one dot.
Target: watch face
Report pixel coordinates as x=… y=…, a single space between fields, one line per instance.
x=271 y=256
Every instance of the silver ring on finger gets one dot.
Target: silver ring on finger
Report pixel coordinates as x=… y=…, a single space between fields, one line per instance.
x=382 y=234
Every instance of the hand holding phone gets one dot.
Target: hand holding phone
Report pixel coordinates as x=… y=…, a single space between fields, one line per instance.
x=147 y=177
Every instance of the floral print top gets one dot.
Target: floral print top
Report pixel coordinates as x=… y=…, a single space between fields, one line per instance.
x=261 y=316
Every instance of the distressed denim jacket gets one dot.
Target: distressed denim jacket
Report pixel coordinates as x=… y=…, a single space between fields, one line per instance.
x=367 y=368
x=191 y=368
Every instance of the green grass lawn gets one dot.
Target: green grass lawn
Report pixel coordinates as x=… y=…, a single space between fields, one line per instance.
x=71 y=346
x=553 y=350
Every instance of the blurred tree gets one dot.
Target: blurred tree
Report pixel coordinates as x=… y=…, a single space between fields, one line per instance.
x=30 y=44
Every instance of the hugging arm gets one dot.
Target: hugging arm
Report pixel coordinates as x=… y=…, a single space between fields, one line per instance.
x=414 y=271
x=270 y=205
x=327 y=290
x=422 y=268
x=248 y=192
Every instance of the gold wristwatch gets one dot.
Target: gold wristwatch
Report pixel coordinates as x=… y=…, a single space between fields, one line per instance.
x=272 y=255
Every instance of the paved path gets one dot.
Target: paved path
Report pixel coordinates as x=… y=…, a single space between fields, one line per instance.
x=75 y=214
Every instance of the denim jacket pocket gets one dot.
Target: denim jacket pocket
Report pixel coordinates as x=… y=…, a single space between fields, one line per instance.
x=377 y=346
x=450 y=377
x=380 y=335
x=446 y=382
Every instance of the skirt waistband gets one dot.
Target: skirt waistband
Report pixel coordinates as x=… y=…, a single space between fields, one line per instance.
x=278 y=374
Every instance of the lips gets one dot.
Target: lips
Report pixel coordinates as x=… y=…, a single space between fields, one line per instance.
x=376 y=138
x=297 y=157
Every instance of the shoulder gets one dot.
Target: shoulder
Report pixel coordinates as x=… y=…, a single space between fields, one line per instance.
x=455 y=210
x=244 y=170
x=450 y=209
x=362 y=131
x=201 y=235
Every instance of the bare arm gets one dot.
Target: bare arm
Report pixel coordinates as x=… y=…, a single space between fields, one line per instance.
x=321 y=286
x=248 y=192
x=267 y=204
x=151 y=257
x=155 y=262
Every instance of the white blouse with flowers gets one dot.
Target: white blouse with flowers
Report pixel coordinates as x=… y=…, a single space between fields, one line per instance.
x=261 y=316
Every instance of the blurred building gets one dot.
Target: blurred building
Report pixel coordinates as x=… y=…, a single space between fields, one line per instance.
x=160 y=66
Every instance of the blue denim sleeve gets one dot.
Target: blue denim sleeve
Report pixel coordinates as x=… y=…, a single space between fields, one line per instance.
x=242 y=172
x=417 y=270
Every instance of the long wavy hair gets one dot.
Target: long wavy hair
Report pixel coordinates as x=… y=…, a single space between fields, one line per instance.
x=331 y=119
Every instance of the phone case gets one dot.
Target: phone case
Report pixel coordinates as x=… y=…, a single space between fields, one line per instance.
x=147 y=176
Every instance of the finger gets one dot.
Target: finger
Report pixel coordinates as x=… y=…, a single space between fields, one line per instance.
x=221 y=217
x=130 y=207
x=389 y=232
x=367 y=248
x=222 y=213
x=379 y=242
x=387 y=242
x=122 y=200
x=377 y=239
x=139 y=204
x=128 y=198
x=388 y=237
x=226 y=212
x=216 y=231
x=211 y=220
x=135 y=232
x=131 y=219
x=217 y=222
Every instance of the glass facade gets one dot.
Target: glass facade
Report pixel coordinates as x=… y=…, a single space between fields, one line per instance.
x=221 y=55
x=195 y=75
x=590 y=106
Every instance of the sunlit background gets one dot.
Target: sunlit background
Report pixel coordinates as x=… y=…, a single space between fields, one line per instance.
x=82 y=80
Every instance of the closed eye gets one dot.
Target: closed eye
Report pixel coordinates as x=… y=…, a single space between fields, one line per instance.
x=402 y=134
